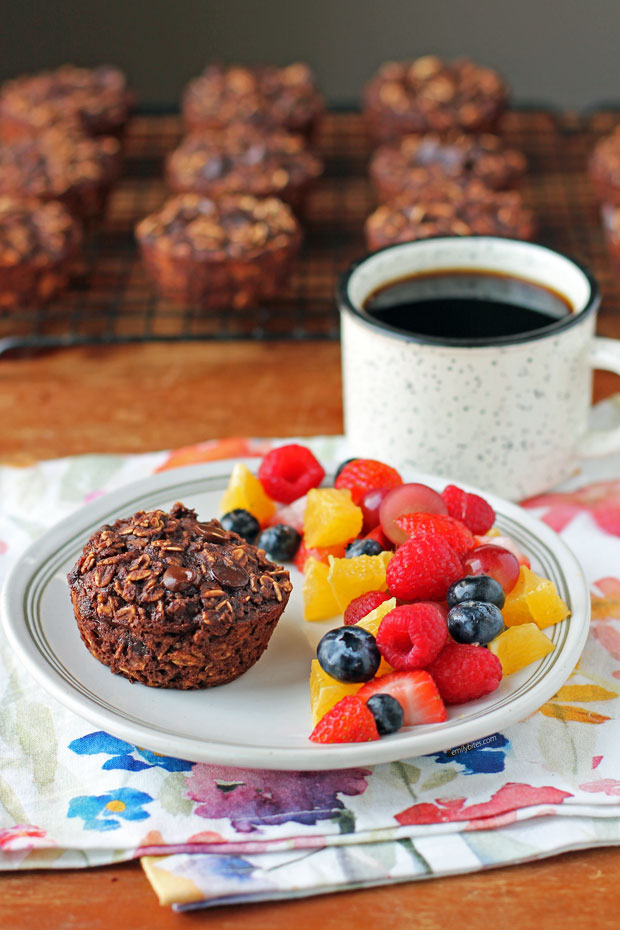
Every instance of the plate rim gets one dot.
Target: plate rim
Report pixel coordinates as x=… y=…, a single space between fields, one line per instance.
x=418 y=741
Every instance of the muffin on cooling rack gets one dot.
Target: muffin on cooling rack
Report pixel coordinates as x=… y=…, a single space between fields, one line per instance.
x=60 y=164
x=431 y=95
x=410 y=163
x=166 y=600
x=218 y=254
x=244 y=159
x=39 y=246
x=263 y=95
x=97 y=100
x=605 y=168
x=474 y=210
x=610 y=214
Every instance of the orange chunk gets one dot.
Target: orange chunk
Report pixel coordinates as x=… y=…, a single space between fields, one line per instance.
x=519 y=645
x=318 y=596
x=371 y=623
x=534 y=600
x=351 y=577
x=331 y=517
x=326 y=691
x=245 y=490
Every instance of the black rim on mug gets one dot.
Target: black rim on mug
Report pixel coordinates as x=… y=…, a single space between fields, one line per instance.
x=557 y=326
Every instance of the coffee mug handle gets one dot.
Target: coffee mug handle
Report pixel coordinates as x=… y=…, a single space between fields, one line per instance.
x=604 y=354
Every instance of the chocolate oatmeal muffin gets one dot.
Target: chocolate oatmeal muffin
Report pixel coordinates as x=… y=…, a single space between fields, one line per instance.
x=474 y=210
x=411 y=163
x=610 y=215
x=224 y=253
x=264 y=95
x=39 y=246
x=172 y=602
x=431 y=95
x=244 y=159
x=605 y=168
x=96 y=100
x=57 y=164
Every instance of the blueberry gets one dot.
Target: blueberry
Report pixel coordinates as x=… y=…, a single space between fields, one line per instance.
x=280 y=542
x=362 y=547
x=387 y=711
x=349 y=654
x=476 y=588
x=242 y=522
x=475 y=622
x=341 y=466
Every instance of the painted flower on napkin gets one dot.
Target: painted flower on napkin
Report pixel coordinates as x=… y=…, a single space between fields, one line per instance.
x=24 y=836
x=101 y=812
x=251 y=797
x=601 y=500
x=124 y=755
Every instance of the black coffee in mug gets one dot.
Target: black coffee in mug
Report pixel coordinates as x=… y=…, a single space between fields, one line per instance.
x=466 y=305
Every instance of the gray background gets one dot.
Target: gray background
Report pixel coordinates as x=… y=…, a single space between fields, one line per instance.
x=563 y=52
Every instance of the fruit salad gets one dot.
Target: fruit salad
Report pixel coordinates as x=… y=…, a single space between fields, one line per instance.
x=431 y=604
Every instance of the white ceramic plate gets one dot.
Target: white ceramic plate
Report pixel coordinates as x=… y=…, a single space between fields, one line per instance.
x=261 y=720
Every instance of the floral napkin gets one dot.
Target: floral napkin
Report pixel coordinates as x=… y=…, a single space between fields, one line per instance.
x=72 y=796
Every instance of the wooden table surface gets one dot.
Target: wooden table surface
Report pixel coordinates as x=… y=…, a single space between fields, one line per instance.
x=133 y=399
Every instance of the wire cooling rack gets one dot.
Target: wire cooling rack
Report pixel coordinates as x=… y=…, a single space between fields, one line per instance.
x=113 y=300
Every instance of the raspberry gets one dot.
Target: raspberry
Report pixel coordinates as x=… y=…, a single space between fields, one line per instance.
x=362 y=605
x=363 y=475
x=349 y=721
x=412 y=636
x=472 y=510
x=289 y=472
x=464 y=673
x=423 y=568
x=453 y=531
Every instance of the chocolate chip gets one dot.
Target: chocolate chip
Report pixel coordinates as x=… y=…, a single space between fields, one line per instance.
x=216 y=167
x=136 y=646
x=176 y=578
x=211 y=533
x=231 y=576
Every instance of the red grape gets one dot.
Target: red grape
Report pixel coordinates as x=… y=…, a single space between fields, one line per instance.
x=371 y=505
x=494 y=561
x=408 y=498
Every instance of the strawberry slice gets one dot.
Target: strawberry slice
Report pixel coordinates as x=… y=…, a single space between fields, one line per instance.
x=349 y=721
x=363 y=475
x=379 y=536
x=416 y=692
x=320 y=553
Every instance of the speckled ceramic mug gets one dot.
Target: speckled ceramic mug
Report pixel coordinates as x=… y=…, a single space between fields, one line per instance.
x=508 y=414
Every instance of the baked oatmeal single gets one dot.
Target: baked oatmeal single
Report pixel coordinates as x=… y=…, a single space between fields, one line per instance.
x=264 y=95
x=432 y=95
x=409 y=164
x=60 y=164
x=610 y=215
x=172 y=602
x=224 y=253
x=605 y=168
x=471 y=211
x=244 y=159
x=39 y=246
x=97 y=100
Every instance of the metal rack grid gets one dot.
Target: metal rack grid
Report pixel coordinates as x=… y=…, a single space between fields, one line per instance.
x=112 y=300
